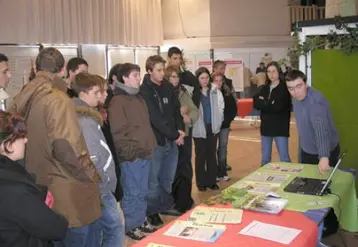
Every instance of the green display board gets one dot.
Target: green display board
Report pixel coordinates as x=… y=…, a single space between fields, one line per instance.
x=335 y=75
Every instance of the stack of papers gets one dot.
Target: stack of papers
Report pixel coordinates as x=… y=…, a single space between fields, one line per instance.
x=268 y=178
x=195 y=231
x=216 y=215
x=264 y=204
x=279 y=234
x=257 y=187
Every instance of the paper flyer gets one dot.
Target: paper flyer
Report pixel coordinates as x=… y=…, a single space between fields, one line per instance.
x=257 y=187
x=195 y=231
x=284 y=168
x=275 y=233
x=157 y=245
x=268 y=178
x=216 y=215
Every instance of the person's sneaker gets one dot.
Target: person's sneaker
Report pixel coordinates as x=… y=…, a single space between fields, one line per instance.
x=135 y=234
x=225 y=178
x=147 y=227
x=214 y=187
x=172 y=212
x=218 y=179
x=155 y=220
x=228 y=168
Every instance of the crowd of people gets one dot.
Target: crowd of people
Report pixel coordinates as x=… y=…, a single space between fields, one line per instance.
x=105 y=159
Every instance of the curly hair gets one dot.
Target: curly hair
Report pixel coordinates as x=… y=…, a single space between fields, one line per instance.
x=12 y=128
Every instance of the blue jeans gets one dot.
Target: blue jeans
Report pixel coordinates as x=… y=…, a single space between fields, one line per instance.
x=161 y=176
x=79 y=237
x=222 y=151
x=134 y=180
x=109 y=229
x=282 y=148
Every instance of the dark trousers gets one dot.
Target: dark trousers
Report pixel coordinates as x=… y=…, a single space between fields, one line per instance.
x=205 y=159
x=313 y=159
x=183 y=178
x=330 y=221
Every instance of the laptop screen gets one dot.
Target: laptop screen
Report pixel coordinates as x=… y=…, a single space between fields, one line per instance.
x=333 y=171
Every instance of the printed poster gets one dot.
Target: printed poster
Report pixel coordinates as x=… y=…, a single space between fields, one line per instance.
x=206 y=63
x=235 y=72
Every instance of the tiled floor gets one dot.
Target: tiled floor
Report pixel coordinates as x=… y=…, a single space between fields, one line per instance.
x=244 y=156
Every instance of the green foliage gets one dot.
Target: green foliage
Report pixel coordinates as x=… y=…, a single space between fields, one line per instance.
x=348 y=43
x=229 y=195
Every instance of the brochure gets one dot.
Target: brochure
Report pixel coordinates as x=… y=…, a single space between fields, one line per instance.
x=264 y=204
x=285 y=168
x=257 y=187
x=279 y=234
x=216 y=215
x=195 y=231
x=268 y=178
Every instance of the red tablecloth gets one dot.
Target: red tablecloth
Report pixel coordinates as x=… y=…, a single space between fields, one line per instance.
x=230 y=238
x=244 y=107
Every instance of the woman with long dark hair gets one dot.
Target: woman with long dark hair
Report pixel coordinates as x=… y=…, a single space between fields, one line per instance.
x=205 y=131
x=274 y=103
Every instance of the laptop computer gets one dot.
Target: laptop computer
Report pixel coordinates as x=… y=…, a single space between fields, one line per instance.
x=312 y=186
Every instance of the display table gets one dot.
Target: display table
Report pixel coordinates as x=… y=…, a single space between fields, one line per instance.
x=230 y=238
x=342 y=200
x=244 y=107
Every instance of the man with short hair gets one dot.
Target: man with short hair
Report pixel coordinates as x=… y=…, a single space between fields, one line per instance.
x=187 y=79
x=5 y=76
x=89 y=93
x=56 y=152
x=319 y=140
x=219 y=66
x=318 y=136
x=135 y=144
x=74 y=66
x=168 y=127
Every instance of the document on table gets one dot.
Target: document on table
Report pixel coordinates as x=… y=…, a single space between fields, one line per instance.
x=195 y=231
x=216 y=215
x=279 y=234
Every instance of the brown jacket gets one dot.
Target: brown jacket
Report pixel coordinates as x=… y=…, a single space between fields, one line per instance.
x=130 y=126
x=56 y=152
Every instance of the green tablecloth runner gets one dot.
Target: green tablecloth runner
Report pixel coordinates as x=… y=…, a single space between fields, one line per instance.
x=343 y=185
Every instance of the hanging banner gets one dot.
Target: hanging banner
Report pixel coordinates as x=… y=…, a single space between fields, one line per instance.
x=207 y=64
x=235 y=72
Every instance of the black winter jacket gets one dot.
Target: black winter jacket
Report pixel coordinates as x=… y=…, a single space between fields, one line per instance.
x=164 y=110
x=275 y=110
x=25 y=219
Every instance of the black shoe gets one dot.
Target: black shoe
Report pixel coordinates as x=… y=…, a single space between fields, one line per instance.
x=155 y=220
x=172 y=212
x=214 y=187
x=135 y=234
x=147 y=227
x=202 y=188
x=228 y=168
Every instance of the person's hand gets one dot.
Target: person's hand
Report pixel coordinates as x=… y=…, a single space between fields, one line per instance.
x=184 y=110
x=186 y=119
x=180 y=140
x=261 y=97
x=323 y=165
x=49 y=199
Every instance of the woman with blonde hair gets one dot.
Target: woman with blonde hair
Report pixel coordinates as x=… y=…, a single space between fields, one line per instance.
x=183 y=178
